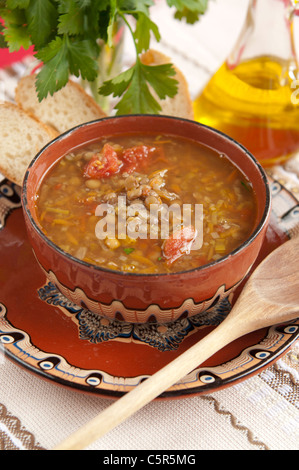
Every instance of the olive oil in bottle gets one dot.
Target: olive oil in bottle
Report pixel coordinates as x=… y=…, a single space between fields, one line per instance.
x=254 y=97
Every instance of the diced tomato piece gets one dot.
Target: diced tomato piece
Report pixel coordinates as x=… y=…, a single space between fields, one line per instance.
x=107 y=166
x=179 y=243
x=132 y=157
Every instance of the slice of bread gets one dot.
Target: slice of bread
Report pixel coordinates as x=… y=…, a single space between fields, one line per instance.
x=22 y=137
x=181 y=104
x=66 y=109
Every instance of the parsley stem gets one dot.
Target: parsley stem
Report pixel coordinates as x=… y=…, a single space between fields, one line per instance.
x=123 y=16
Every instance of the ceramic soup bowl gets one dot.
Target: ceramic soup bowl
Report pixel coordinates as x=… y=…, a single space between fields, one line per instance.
x=133 y=297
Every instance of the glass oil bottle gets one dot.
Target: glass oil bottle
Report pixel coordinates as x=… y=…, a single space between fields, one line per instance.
x=254 y=96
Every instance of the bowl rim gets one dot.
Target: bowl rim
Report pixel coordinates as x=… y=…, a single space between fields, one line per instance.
x=263 y=219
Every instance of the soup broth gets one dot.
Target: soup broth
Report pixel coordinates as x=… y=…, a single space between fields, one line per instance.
x=146 y=204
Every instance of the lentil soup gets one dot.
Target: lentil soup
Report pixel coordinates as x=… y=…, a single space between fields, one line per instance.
x=144 y=181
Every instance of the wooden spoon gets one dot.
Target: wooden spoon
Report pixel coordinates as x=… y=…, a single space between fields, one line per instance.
x=270 y=297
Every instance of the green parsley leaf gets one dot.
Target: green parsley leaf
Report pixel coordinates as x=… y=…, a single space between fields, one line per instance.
x=144 y=27
x=159 y=77
x=190 y=10
x=128 y=251
x=71 y=21
x=94 y=17
x=42 y=19
x=15 y=31
x=16 y=37
x=135 y=6
x=61 y=58
x=117 y=85
x=12 y=4
x=63 y=6
x=82 y=60
x=3 y=43
x=138 y=98
x=46 y=54
x=134 y=84
x=191 y=17
x=83 y=3
x=54 y=74
x=198 y=6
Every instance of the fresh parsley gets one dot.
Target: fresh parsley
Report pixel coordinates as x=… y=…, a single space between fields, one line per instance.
x=132 y=85
x=128 y=251
x=66 y=33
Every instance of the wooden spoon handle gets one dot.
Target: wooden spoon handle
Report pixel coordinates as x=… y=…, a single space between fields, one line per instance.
x=152 y=387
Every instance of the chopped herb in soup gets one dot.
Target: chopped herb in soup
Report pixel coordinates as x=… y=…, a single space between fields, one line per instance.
x=146 y=204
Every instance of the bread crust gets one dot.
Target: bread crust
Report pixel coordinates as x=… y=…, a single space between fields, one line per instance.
x=13 y=162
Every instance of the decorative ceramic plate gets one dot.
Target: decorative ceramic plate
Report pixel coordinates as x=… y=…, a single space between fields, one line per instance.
x=46 y=334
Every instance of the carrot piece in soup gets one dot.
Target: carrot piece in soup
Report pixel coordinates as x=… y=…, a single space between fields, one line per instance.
x=108 y=165
x=178 y=244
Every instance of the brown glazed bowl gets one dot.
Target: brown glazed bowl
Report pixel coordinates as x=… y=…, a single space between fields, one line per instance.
x=140 y=298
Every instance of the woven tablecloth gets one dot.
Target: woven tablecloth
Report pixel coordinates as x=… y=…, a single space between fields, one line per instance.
x=260 y=413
